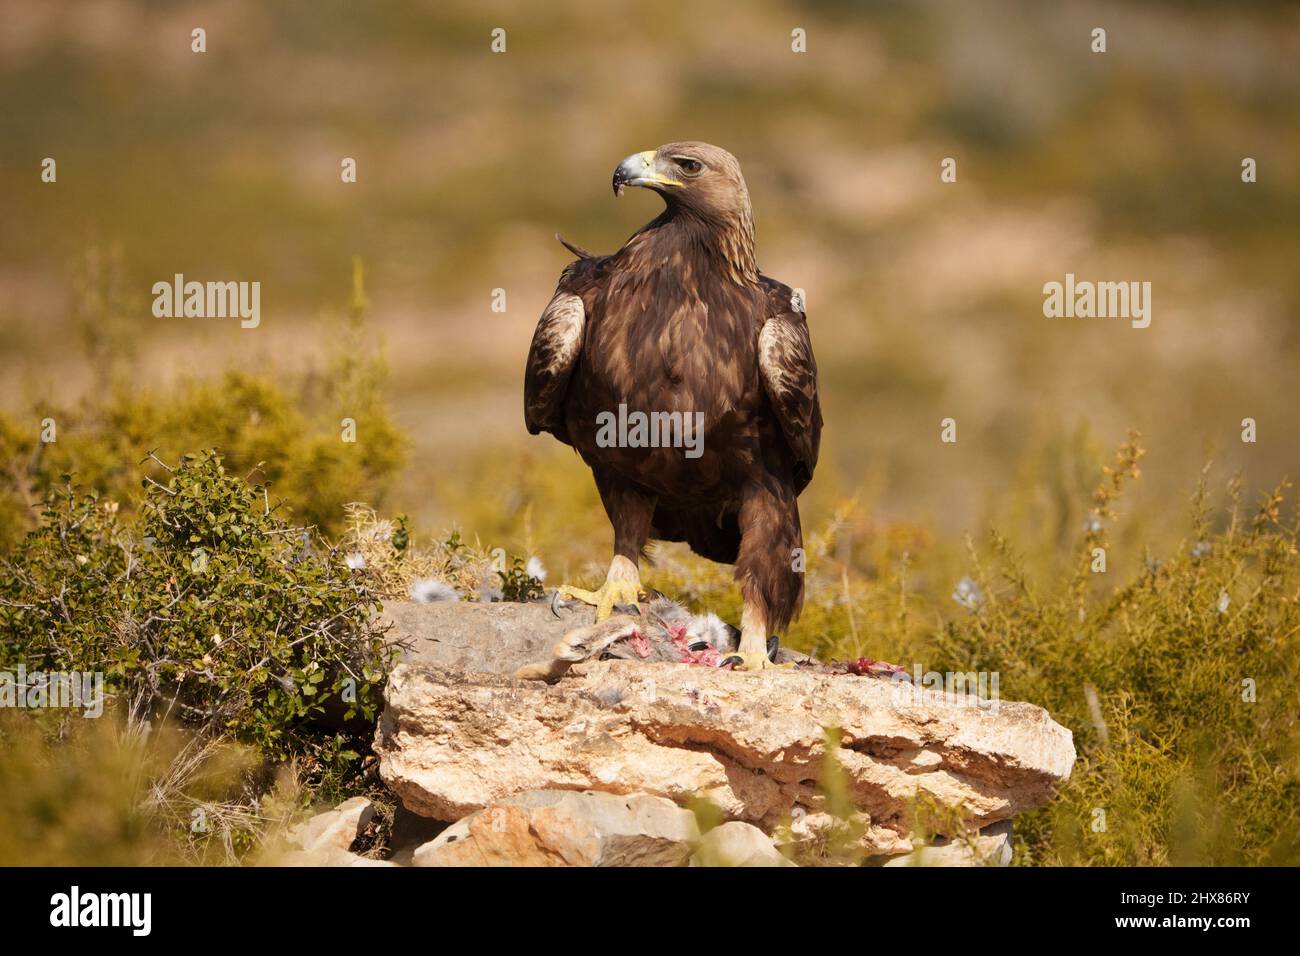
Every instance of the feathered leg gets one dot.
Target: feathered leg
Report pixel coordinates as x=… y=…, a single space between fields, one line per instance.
x=629 y=512
x=771 y=588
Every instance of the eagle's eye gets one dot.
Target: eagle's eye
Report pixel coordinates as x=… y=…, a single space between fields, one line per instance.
x=688 y=165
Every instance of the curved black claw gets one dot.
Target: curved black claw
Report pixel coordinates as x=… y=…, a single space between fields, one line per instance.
x=555 y=599
x=773 y=645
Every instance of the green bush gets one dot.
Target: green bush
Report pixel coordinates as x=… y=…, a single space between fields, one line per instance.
x=285 y=431
x=207 y=605
x=1179 y=684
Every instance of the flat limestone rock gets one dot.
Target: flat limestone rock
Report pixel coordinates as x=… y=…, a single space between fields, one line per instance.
x=495 y=638
x=452 y=742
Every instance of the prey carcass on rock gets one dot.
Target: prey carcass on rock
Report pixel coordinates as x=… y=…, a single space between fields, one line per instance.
x=661 y=630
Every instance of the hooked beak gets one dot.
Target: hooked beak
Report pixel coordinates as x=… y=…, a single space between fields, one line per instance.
x=641 y=169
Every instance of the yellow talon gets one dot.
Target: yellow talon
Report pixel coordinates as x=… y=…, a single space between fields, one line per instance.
x=606 y=596
x=751 y=662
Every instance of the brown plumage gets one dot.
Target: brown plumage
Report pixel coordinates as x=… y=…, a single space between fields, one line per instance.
x=681 y=321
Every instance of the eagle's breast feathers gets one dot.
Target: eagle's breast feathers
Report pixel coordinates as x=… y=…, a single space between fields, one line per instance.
x=645 y=341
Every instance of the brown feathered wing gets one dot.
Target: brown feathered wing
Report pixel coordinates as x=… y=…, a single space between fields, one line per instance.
x=789 y=373
x=557 y=343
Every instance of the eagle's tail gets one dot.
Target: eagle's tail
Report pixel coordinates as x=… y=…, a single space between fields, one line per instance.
x=578 y=251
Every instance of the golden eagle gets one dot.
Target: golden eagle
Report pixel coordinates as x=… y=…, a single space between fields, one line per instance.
x=686 y=381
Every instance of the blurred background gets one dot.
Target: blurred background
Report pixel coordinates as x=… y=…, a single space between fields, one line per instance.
x=925 y=298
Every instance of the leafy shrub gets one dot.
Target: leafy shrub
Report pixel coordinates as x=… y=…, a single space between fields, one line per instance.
x=209 y=606
x=398 y=566
x=1179 y=685
x=517 y=583
x=288 y=428
x=394 y=562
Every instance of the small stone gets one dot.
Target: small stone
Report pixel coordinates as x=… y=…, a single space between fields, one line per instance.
x=325 y=838
x=336 y=828
x=737 y=844
x=566 y=828
x=991 y=847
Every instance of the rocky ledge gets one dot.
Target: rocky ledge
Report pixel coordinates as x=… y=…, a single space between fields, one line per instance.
x=509 y=760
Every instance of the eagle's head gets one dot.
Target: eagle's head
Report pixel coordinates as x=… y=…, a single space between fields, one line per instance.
x=696 y=177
